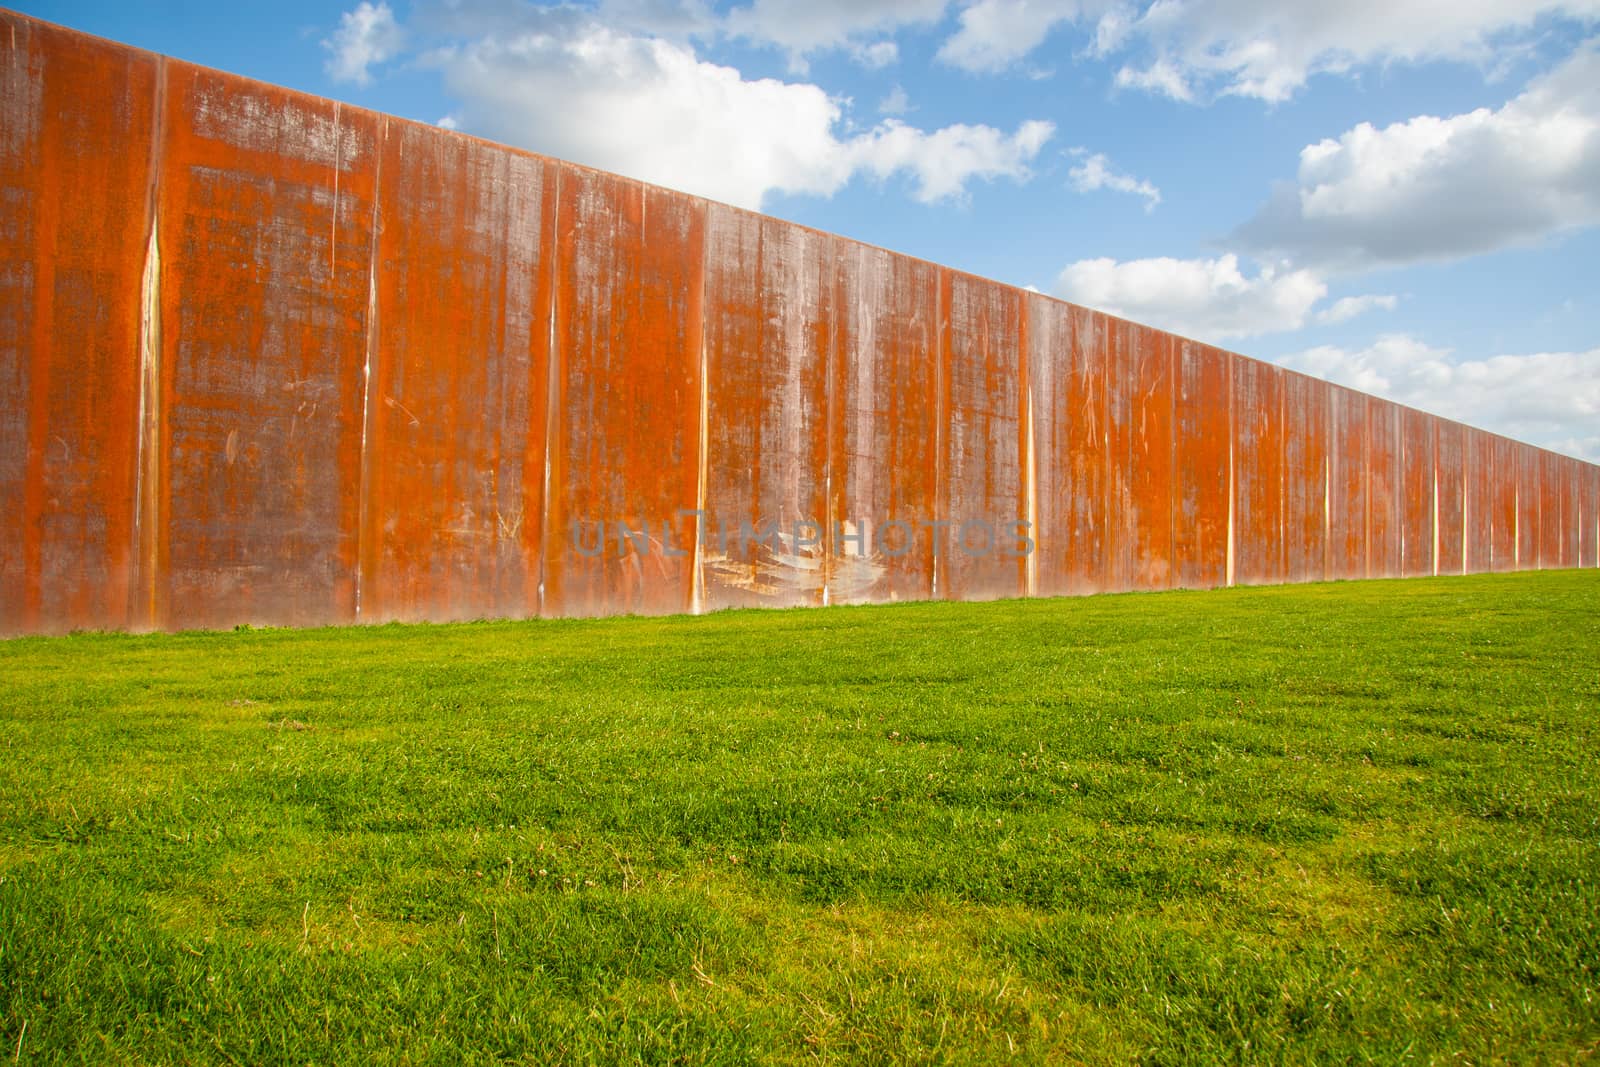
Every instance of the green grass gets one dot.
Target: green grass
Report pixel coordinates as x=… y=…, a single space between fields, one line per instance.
x=1307 y=825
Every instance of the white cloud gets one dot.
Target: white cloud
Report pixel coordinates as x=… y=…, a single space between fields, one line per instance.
x=819 y=25
x=1441 y=188
x=996 y=33
x=1265 y=49
x=877 y=55
x=943 y=161
x=1095 y=173
x=1268 y=49
x=650 y=108
x=1210 y=299
x=895 y=103
x=1547 y=398
x=1349 y=307
x=366 y=37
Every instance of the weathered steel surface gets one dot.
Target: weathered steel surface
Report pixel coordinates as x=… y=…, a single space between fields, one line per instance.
x=981 y=491
x=76 y=122
x=884 y=454
x=1450 y=480
x=266 y=358
x=1307 y=470
x=1142 y=517
x=459 y=361
x=626 y=397
x=1416 y=494
x=1201 y=444
x=770 y=317
x=1258 y=473
x=264 y=232
x=1348 y=479
x=1384 y=515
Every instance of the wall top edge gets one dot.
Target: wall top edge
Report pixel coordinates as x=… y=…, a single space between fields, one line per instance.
x=17 y=18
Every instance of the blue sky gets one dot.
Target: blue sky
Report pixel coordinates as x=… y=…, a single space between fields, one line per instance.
x=1404 y=197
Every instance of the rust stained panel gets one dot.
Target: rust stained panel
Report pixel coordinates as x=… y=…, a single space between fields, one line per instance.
x=1050 y=361
x=1307 y=467
x=1076 y=562
x=982 y=491
x=1450 y=474
x=1588 y=515
x=625 y=406
x=1567 y=475
x=265 y=243
x=1477 y=461
x=456 y=424
x=769 y=295
x=1117 y=555
x=1347 y=484
x=886 y=432
x=1258 y=472
x=1591 y=516
x=1559 y=519
x=1200 y=470
x=1529 y=494
x=1504 y=513
x=1147 y=517
x=1416 y=493
x=1384 y=521
x=76 y=121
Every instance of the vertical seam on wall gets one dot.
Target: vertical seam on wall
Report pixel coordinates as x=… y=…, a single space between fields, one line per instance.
x=366 y=565
x=941 y=414
x=553 y=369
x=148 y=465
x=702 y=426
x=1030 y=578
x=1232 y=486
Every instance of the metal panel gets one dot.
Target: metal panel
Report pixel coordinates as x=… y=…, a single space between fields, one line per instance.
x=1416 y=494
x=981 y=491
x=1384 y=528
x=1145 y=469
x=1530 y=493
x=76 y=122
x=454 y=479
x=1477 y=500
x=1588 y=515
x=625 y=399
x=769 y=322
x=1066 y=357
x=1347 y=483
x=1307 y=468
x=886 y=441
x=1505 y=514
x=1450 y=497
x=1258 y=509
x=1200 y=473
x=265 y=246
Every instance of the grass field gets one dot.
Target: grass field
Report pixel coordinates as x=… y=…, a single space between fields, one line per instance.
x=1308 y=824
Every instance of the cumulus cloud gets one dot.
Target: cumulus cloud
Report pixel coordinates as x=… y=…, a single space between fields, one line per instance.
x=820 y=25
x=1264 y=49
x=1210 y=299
x=1441 y=188
x=1351 y=306
x=1547 y=398
x=895 y=103
x=944 y=161
x=366 y=37
x=993 y=34
x=648 y=107
x=1095 y=173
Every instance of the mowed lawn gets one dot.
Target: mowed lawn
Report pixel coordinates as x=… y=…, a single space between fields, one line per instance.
x=1310 y=825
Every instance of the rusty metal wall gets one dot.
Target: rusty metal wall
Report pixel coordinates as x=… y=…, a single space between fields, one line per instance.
x=268 y=359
